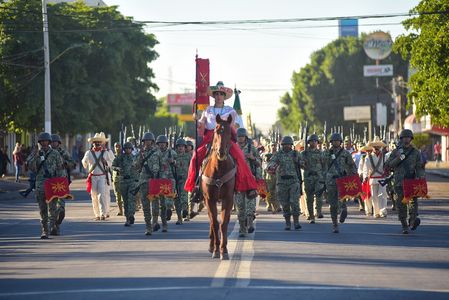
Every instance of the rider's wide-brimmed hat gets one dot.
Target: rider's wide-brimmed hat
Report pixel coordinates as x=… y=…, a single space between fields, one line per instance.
x=366 y=148
x=377 y=142
x=219 y=87
x=98 y=137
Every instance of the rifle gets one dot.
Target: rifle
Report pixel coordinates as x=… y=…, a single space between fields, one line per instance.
x=306 y=136
x=325 y=133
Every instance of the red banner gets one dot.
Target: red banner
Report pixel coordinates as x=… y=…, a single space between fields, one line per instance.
x=160 y=187
x=366 y=190
x=202 y=83
x=414 y=188
x=57 y=187
x=349 y=187
x=262 y=188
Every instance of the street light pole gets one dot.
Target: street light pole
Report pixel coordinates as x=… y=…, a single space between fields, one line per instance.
x=47 y=68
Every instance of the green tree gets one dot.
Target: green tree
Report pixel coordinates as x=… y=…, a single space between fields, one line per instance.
x=428 y=50
x=99 y=68
x=333 y=79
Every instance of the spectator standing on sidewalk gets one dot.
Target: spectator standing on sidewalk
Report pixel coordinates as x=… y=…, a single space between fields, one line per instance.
x=437 y=152
x=18 y=160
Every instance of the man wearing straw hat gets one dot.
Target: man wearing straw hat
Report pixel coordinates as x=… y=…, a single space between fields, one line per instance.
x=97 y=161
x=373 y=171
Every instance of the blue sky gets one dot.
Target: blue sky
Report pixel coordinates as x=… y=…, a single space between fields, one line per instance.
x=259 y=59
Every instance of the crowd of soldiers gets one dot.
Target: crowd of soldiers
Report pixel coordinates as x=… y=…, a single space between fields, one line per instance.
x=298 y=176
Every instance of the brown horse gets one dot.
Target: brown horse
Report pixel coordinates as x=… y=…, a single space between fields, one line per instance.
x=217 y=184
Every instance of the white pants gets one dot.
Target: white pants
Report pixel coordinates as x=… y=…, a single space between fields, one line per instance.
x=378 y=194
x=98 y=195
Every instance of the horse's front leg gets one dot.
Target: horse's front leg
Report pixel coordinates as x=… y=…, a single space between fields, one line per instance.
x=227 y=203
x=214 y=244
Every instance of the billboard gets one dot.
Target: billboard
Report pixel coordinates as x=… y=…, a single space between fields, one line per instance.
x=357 y=113
x=181 y=99
x=377 y=70
x=377 y=45
x=348 y=27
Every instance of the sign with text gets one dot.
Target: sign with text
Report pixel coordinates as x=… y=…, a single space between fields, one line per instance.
x=181 y=99
x=377 y=70
x=357 y=113
x=377 y=45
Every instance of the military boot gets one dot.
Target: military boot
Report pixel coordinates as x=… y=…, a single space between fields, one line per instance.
x=250 y=223
x=120 y=210
x=243 y=229
x=335 y=225
x=164 y=225
x=343 y=215
x=414 y=222
x=127 y=223
x=179 y=222
x=149 y=230
x=288 y=223
x=60 y=215
x=54 y=229
x=296 y=222
x=44 y=234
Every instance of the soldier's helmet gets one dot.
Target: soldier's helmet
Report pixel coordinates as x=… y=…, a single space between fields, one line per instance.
x=181 y=142
x=287 y=140
x=406 y=133
x=161 y=139
x=313 y=137
x=242 y=132
x=56 y=138
x=148 y=136
x=336 y=137
x=128 y=145
x=44 y=136
x=189 y=143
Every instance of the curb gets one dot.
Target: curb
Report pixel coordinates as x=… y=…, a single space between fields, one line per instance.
x=438 y=173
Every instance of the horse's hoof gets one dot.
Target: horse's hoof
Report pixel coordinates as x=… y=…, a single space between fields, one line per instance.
x=211 y=250
x=215 y=254
x=224 y=256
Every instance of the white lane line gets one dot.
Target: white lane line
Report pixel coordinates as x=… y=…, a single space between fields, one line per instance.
x=261 y=287
x=223 y=268
x=244 y=271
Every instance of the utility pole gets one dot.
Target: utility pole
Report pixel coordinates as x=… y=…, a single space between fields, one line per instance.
x=47 y=68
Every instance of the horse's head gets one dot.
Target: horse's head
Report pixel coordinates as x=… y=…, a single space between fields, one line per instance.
x=222 y=137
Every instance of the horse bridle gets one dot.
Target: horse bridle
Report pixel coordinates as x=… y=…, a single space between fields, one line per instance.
x=217 y=150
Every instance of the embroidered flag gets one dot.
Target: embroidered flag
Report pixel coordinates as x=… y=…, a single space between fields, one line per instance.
x=160 y=187
x=202 y=83
x=262 y=188
x=349 y=187
x=414 y=188
x=57 y=187
x=366 y=190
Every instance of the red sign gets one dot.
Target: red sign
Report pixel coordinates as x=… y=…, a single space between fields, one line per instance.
x=160 y=187
x=414 y=188
x=349 y=187
x=181 y=99
x=202 y=82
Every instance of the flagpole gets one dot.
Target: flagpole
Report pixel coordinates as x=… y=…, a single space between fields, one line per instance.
x=196 y=118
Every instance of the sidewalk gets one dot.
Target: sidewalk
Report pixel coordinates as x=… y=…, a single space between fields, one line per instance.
x=441 y=170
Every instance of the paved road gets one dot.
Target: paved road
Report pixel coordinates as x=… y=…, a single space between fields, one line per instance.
x=368 y=259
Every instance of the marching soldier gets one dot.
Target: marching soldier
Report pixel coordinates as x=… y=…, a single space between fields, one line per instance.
x=167 y=170
x=246 y=208
x=338 y=163
x=128 y=176
x=69 y=164
x=405 y=161
x=46 y=163
x=313 y=165
x=272 y=202
x=286 y=165
x=116 y=182
x=148 y=164
x=182 y=168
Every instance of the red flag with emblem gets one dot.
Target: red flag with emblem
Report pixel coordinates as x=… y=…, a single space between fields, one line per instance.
x=349 y=187
x=414 y=188
x=202 y=83
x=262 y=188
x=57 y=187
x=160 y=187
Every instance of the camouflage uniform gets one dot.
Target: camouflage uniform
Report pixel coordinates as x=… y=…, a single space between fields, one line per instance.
x=288 y=183
x=165 y=204
x=182 y=168
x=270 y=179
x=246 y=208
x=128 y=177
x=46 y=164
x=312 y=161
x=148 y=163
x=406 y=164
x=116 y=185
x=338 y=163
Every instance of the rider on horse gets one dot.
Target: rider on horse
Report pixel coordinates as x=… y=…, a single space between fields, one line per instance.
x=245 y=181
